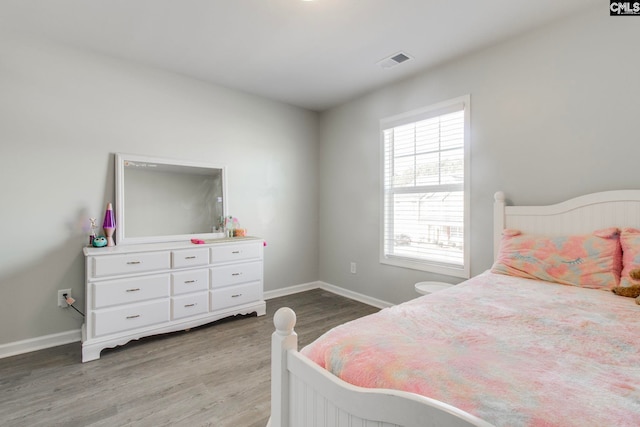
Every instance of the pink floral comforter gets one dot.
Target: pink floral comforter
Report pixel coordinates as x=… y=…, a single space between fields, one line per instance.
x=514 y=352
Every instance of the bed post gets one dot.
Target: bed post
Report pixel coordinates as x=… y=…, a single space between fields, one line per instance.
x=282 y=340
x=498 y=221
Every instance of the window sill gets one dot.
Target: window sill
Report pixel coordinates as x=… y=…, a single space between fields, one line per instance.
x=426 y=266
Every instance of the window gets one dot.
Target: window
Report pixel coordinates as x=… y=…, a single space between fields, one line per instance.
x=425 y=189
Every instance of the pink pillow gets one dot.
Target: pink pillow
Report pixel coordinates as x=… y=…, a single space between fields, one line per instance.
x=589 y=261
x=630 y=241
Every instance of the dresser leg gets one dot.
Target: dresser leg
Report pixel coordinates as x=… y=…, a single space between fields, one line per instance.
x=90 y=353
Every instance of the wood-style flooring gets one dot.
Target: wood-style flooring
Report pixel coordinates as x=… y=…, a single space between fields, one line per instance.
x=214 y=375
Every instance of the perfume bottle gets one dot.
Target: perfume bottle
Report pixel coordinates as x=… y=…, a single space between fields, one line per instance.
x=92 y=231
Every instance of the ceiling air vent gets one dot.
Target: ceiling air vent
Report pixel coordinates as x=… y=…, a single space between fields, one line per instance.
x=394 y=60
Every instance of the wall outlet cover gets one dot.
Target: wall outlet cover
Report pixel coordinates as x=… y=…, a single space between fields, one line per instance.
x=61 y=301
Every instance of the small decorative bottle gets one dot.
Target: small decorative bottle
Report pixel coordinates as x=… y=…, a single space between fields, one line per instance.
x=92 y=231
x=229 y=226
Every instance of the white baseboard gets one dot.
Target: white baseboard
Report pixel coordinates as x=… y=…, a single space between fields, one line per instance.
x=39 y=343
x=329 y=288
x=355 y=295
x=291 y=290
x=54 y=340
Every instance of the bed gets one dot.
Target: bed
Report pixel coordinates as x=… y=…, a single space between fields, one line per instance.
x=509 y=347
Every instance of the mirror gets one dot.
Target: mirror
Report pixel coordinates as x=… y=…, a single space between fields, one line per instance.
x=163 y=200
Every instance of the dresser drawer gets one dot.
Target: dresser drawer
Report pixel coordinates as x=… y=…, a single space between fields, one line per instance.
x=133 y=316
x=130 y=263
x=126 y=291
x=227 y=253
x=189 y=305
x=236 y=273
x=189 y=281
x=190 y=257
x=235 y=295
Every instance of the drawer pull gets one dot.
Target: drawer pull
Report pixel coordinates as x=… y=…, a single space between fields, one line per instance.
x=190 y=257
x=190 y=281
x=134 y=262
x=235 y=252
x=236 y=295
x=189 y=305
x=236 y=274
x=133 y=290
x=133 y=317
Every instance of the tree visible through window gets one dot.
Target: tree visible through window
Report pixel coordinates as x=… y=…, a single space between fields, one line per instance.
x=425 y=189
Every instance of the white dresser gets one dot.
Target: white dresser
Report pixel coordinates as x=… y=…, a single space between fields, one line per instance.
x=133 y=291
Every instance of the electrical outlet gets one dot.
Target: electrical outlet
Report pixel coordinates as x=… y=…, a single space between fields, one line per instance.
x=353 y=268
x=61 y=301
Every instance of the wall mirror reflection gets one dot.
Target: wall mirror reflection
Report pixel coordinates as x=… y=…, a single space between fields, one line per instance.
x=162 y=200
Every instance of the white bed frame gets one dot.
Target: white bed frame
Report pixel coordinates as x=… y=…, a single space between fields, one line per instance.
x=303 y=394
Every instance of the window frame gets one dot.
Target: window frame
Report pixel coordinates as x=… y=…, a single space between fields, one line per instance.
x=456 y=104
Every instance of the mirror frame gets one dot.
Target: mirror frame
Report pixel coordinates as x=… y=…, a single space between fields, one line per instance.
x=120 y=208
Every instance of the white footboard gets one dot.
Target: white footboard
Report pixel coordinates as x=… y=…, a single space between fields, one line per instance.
x=303 y=394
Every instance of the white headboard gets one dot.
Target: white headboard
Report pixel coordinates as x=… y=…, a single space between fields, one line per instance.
x=584 y=214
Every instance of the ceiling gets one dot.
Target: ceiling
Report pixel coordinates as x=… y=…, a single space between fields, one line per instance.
x=312 y=54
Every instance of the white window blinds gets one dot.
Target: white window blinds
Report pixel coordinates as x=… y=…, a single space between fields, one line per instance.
x=424 y=176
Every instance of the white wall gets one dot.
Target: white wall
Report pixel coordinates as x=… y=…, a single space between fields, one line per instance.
x=64 y=112
x=554 y=114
